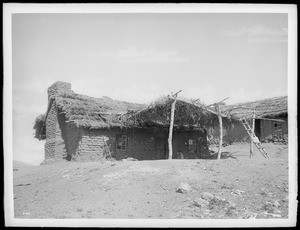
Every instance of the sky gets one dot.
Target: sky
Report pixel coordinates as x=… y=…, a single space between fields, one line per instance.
x=140 y=57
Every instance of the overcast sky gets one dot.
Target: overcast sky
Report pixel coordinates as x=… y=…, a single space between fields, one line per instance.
x=139 y=57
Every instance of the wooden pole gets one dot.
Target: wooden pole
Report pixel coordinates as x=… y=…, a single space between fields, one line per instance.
x=221 y=138
x=253 y=130
x=217 y=102
x=171 y=128
x=221 y=131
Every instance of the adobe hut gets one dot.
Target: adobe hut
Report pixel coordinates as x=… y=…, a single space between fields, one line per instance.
x=81 y=128
x=192 y=122
x=271 y=119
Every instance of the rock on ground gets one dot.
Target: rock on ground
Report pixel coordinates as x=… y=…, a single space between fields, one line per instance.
x=184 y=188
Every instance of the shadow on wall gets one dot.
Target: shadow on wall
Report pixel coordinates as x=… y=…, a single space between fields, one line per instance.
x=69 y=137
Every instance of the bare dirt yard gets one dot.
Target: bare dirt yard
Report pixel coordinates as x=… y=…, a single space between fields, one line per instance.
x=235 y=187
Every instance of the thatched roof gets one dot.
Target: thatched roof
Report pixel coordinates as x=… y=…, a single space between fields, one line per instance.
x=188 y=115
x=88 y=112
x=39 y=127
x=94 y=113
x=99 y=113
x=271 y=107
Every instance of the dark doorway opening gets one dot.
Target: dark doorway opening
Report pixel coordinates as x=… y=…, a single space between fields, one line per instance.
x=160 y=146
x=257 y=128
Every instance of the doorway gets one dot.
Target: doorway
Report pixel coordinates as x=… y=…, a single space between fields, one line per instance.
x=160 y=147
x=257 y=128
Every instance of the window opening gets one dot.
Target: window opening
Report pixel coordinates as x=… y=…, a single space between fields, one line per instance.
x=192 y=146
x=121 y=142
x=277 y=126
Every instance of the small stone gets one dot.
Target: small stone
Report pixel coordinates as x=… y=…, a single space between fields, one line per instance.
x=184 y=188
x=207 y=196
x=276 y=215
x=276 y=204
x=251 y=215
x=199 y=202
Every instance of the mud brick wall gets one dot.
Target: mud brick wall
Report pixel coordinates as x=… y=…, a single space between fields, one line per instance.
x=94 y=145
x=58 y=88
x=268 y=130
x=181 y=144
x=73 y=137
x=61 y=136
x=55 y=147
x=55 y=127
x=237 y=134
x=141 y=144
x=51 y=132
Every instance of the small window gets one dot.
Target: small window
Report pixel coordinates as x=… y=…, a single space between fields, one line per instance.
x=192 y=146
x=121 y=142
x=277 y=126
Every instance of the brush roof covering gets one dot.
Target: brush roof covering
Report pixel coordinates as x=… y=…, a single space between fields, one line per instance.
x=104 y=113
x=94 y=113
x=101 y=113
x=270 y=107
x=188 y=115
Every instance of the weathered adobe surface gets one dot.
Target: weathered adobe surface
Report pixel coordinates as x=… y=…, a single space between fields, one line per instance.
x=58 y=88
x=239 y=134
x=97 y=145
x=55 y=148
x=67 y=141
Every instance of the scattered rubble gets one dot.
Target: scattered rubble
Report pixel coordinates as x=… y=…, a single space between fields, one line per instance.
x=199 y=202
x=207 y=196
x=277 y=139
x=184 y=188
x=237 y=192
x=276 y=204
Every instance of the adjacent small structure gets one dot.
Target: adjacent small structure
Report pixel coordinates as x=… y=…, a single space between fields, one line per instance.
x=271 y=119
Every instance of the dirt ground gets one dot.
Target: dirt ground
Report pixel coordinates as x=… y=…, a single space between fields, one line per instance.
x=235 y=187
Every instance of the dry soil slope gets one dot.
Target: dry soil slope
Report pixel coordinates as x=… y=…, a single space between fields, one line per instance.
x=241 y=187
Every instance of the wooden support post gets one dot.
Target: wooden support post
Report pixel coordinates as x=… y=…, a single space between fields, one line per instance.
x=221 y=138
x=220 y=130
x=171 y=128
x=253 y=130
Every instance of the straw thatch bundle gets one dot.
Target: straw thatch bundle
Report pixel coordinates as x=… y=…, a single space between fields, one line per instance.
x=99 y=113
x=94 y=113
x=271 y=107
x=188 y=115
x=39 y=124
x=87 y=112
